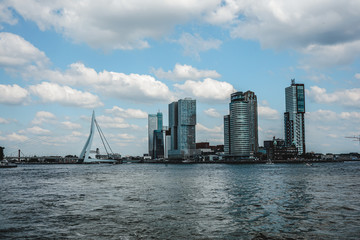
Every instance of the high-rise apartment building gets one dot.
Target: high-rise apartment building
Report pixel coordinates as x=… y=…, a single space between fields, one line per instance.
x=294 y=122
x=155 y=135
x=182 y=121
x=240 y=126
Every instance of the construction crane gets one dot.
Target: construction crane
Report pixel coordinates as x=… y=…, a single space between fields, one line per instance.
x=355 y=138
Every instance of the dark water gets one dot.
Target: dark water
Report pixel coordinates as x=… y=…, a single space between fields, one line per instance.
x=140 y=201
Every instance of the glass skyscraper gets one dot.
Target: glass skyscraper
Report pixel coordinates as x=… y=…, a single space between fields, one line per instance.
x=155 y=135
x=240 y=126
x=182 y=121
x=294 y=122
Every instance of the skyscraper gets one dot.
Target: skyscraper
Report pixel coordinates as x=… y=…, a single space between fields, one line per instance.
x=155 y=135
x=294 y=122
x=182 y=121
x=251 y=98
x=152 y=126
x=240 y=126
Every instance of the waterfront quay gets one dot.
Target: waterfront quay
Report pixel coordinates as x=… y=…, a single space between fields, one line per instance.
x=141 y=160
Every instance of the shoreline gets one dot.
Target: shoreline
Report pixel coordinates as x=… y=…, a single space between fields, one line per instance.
x=297 y=161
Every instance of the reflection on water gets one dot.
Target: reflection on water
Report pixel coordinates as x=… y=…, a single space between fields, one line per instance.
x=140 y=201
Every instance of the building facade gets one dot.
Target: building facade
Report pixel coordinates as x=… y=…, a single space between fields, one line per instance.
x=182 y=121
x=294 y=121
x=155 y=135
x=240 y=126
x=251 y=98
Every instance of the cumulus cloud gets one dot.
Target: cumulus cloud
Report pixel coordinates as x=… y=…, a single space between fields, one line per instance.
x=43 y=117
x=127 y=113
x=208 y=89
x=212 y=112
x=331 y=116
x=185 y=72
x=70 y=125
x=3 y=121
x=14 y=137
x=112 y=24
x=327 y=31
x=202 y=128
x=15 y=52
x=135 y=87
x=194 y=44
x=6 y=16
x=113 y=122
x=13 y=94
x=317 y=29
x=353 y=116
x=38 y=131
x=322 y=115
x=348 y=97
x=54 y=93
x=267 y=112
x=330 y=55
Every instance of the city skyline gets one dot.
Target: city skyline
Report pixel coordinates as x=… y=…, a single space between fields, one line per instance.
x=59 y=61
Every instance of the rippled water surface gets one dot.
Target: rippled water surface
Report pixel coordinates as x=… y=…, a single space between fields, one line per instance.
x=204 y=201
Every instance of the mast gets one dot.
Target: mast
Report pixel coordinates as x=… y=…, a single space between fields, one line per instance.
x=84 y=155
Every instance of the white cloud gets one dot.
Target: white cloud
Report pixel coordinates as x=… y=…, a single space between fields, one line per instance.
x=326 y=30
x=3 y=121
x=318 y=78
x=331 y=116
x=70 y=125
x=212 y=112
x=194 y=44
x=43 y=116
x=113 y=122
x=17 y=52
x=202 y=128
x=135 y=87
x=322 y=115
x=185 y=72
x=77 y=134
x=330 y=55
x=124 y=136
x=225 y=13
x=348 y=97
x=54 y=93
x=139 y=88
x=14 y=137
x=127 y=113
x=38 y=131
x=13 y=94
x=357 y=76
x=112 y=24
x=6 y=16
x=267 y=112
x=352 y=116
x=208 y=89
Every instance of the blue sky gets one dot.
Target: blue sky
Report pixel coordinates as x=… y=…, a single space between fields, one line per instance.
x=59 y=60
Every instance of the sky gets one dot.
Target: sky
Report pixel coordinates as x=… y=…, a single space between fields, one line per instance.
x=62 y=60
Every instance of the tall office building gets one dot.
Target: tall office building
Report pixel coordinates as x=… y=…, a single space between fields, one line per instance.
x=182 y=121
x=152 y=126
x=294 y=122
x=251 y=98
x=240 y=126
x=155 y=135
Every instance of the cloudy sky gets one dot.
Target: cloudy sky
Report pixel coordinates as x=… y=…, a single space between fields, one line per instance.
x=60 y=60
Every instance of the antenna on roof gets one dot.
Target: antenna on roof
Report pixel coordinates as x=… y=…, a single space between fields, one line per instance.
x=293 y=81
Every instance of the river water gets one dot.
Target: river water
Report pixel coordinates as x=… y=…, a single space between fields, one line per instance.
x=195 y=201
